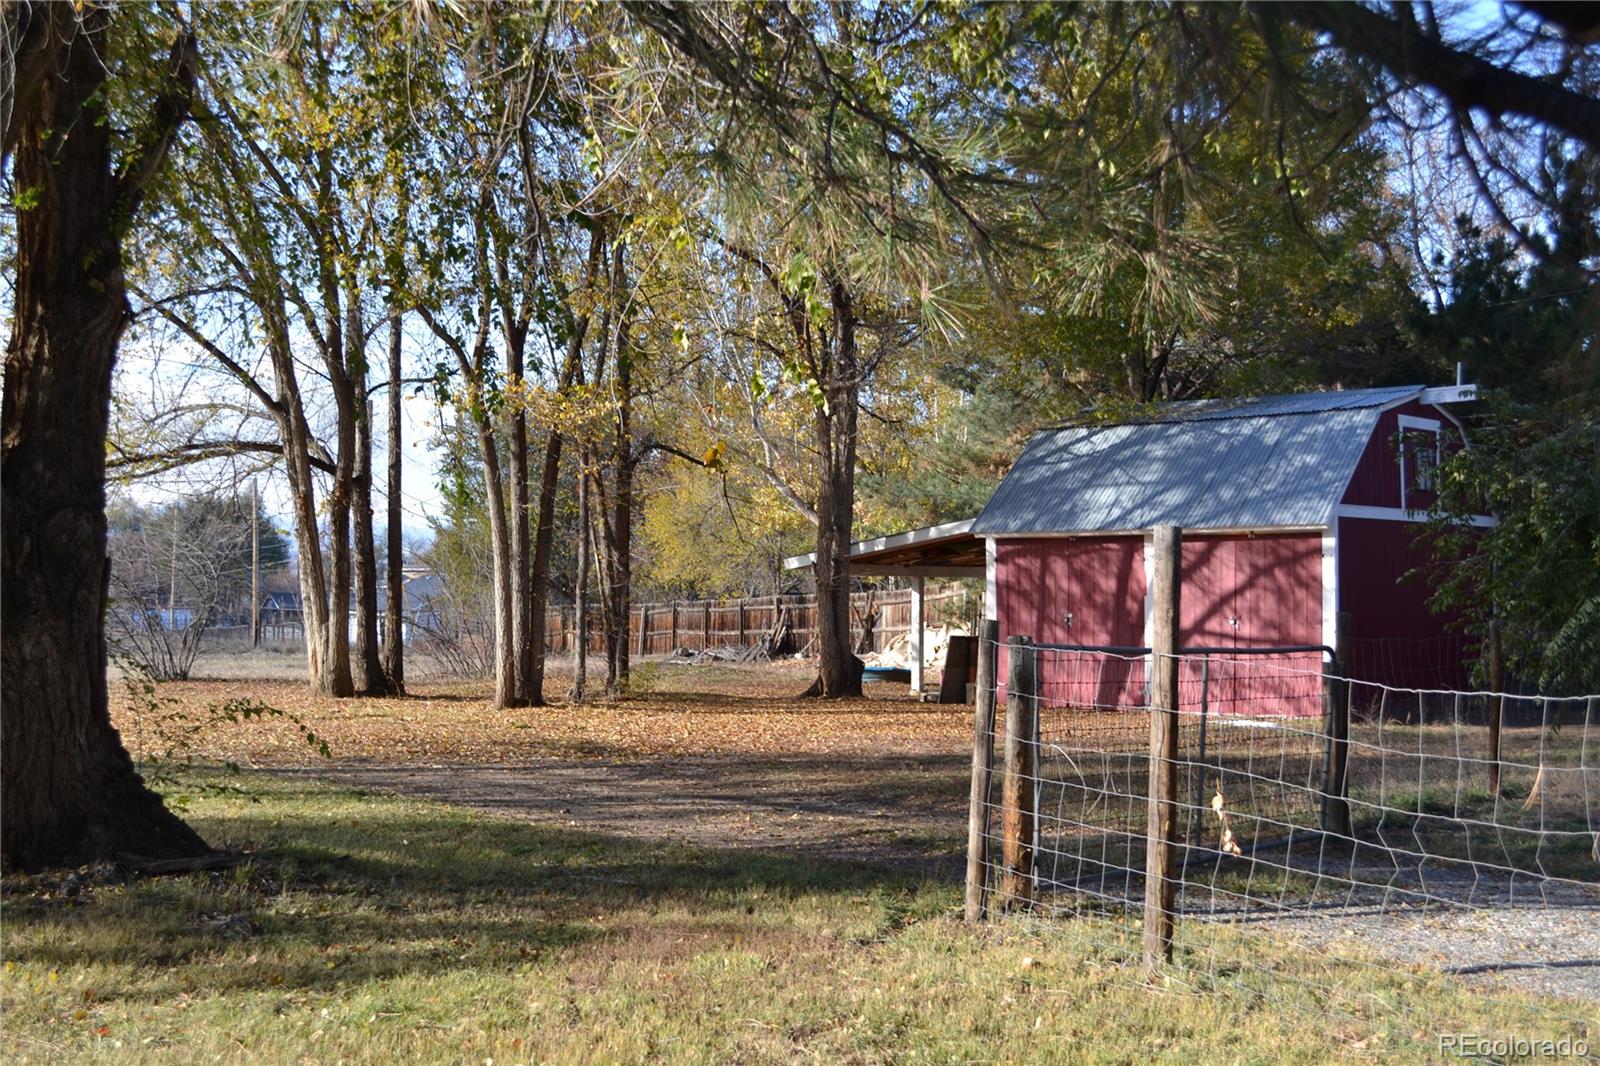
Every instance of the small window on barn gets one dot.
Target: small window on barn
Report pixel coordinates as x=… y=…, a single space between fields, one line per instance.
x=1419 y=461
x=1422 y=470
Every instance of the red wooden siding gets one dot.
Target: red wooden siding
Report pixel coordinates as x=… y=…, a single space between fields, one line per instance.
x=1395 y=639
x=1376 y=480
x=1099 y=581
x=1271 y=583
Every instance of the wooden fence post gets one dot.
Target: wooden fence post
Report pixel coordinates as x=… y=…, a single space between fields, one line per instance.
x=1017 y=794
x=705 y=628
x=741 y=622
x=1336 y=700
x=1161 y=849
x=982 y=770
x=644 y=627
x=1497 y=687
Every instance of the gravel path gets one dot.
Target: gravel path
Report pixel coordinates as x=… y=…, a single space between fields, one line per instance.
x=1553 y=951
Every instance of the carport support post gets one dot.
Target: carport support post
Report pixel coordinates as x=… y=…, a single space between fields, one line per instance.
x=918 y=634
x=1336 y=696
x=982 y=770
x=1017 y=792
x=1161 y=848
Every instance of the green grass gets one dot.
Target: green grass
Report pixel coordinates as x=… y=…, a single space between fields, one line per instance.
x=372 y=928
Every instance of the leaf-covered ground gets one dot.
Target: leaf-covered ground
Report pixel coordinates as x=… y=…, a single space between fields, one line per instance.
x=713 y=756
x=675 y=711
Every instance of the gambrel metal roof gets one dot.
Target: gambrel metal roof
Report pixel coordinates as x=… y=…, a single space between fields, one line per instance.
x=1208 y=464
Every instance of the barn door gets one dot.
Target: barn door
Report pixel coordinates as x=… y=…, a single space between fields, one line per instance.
x=1209 y=603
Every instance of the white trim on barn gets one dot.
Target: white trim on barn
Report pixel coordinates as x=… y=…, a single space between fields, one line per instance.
x=1330 y=585
x=991 y=588
x=1435 y=395
x=1400 y=514
x=1148 y=555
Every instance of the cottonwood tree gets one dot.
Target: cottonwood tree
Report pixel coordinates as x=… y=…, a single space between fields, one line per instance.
x=266 y=244
x=510 y=257
x=68 y=788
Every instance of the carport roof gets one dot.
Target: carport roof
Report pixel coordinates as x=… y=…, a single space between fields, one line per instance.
x=946 y=550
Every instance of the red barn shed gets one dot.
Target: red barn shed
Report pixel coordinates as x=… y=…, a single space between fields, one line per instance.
x=1295 y=509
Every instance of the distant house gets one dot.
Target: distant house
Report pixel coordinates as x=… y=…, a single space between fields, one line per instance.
x=1297 y=510
x=421 y=609
x=280 y=608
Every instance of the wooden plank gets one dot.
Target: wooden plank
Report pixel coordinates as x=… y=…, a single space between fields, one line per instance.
x=982 y=772
x=1017 y=793
x=1336 y=695
x=1161 y=849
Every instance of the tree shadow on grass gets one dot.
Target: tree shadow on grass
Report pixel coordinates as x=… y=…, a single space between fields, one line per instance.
x=348 y=888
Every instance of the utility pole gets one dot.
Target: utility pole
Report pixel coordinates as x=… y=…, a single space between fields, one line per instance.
x=255 y=565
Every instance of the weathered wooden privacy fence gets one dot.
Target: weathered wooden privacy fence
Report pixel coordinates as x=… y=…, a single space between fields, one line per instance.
x=1258 y=788
x=662 y=628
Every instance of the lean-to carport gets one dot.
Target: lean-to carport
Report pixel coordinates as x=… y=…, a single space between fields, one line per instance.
x=947 y=550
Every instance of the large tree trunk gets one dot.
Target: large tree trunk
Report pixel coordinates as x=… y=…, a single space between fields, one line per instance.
x=549 y=485
x=835 y=430
x=302 y=497
x=68 y=788
x=580 y=587
x=543 y=544
x=337 y=679
x=525 y=684
x=367 y=666
x=394 y=663
x=619 y=531
x=505 y=664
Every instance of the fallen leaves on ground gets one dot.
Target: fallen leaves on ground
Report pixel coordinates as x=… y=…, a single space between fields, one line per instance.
x=697 y=711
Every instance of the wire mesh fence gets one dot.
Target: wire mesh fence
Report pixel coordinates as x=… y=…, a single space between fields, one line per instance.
x=1375 y=829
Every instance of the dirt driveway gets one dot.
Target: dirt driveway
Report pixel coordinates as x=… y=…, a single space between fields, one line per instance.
x=903 y=812
x=719 y=756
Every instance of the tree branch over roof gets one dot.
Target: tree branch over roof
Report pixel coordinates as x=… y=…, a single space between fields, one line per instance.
x=1400 y=46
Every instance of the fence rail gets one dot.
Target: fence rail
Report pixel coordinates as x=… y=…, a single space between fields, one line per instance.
x=665 y=627
x=662 y=628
